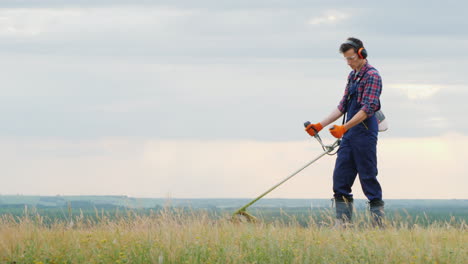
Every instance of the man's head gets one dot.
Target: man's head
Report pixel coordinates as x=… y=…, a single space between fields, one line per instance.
x=354 y=52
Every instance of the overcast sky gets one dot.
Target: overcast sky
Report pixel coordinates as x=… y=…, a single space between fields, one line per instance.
x=194 y=98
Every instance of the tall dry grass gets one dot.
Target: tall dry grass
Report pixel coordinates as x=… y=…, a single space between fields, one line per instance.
x=195 y=237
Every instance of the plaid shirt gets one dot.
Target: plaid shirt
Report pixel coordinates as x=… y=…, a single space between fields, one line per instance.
x=368 y=90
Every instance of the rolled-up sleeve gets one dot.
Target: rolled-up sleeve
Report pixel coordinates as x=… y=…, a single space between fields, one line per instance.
x=341 y=105
x=370 y=98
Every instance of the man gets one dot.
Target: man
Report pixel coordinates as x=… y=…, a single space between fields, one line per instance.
x=357 y=153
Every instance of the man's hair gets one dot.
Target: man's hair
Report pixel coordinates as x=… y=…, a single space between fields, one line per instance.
x=346 y=46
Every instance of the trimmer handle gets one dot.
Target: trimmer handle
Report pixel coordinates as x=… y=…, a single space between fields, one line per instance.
x=307 y=123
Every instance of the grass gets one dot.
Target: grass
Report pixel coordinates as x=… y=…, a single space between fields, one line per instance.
x=172 y=236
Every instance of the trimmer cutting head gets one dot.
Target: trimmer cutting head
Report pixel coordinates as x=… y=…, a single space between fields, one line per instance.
x=243 y=216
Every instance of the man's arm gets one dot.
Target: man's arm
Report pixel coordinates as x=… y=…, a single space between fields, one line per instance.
x=370 y=101
x=370 y=97
x=357 y=118
x=332 y=117
x=339 y=110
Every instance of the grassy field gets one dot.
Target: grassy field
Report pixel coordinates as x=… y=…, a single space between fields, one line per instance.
x=196 y=237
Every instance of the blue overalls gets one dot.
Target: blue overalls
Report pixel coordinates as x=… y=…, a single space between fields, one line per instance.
x=357 y=154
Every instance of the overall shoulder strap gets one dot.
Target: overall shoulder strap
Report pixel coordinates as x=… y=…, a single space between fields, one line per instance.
x=358 y=80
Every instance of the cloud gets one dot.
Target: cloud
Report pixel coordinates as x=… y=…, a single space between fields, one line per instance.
x=329 y=17
x=33 y=22
x=54 y=23
x=79 y=98
x=416 y=91
x=93 y=69
x=424 y=168
x=207 y=98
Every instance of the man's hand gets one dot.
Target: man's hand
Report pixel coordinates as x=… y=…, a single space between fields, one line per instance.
x=338 y=131
x=312 y=129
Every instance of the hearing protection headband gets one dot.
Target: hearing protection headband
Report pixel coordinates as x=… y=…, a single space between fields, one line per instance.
x=362 y=52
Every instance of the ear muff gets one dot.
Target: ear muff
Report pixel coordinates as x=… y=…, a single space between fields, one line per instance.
x=362 y=52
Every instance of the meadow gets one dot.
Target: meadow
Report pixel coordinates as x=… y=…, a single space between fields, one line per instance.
x=200 y=236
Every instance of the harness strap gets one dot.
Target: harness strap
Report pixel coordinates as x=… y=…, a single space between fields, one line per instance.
x=349 y=96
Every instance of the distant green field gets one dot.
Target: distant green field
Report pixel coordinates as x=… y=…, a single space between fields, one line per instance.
x=53 y=208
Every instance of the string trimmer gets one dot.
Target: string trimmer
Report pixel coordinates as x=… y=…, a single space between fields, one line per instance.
x=327 y=150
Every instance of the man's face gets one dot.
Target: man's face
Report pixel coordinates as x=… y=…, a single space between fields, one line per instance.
x=352 y=58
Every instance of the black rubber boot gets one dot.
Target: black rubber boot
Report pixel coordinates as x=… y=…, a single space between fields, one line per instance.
x=377 y=213
x=344 y=210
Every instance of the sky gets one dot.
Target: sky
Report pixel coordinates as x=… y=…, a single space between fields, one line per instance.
x=207 y=99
